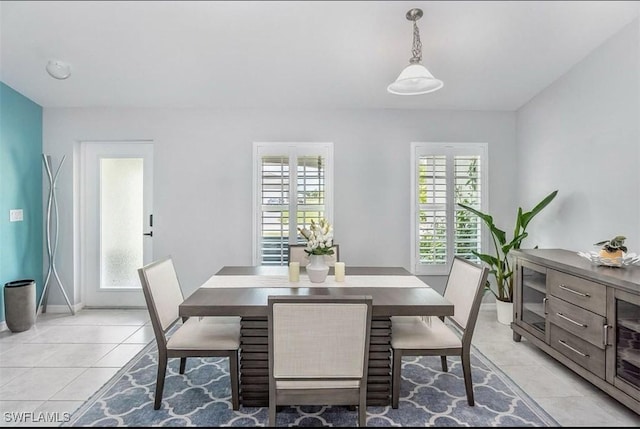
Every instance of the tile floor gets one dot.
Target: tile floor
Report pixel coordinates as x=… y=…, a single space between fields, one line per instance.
x=64 y=359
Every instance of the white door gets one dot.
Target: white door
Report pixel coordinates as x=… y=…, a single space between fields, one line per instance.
x=117 y=222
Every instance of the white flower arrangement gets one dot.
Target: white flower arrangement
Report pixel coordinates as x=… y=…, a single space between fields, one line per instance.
x=319 y=237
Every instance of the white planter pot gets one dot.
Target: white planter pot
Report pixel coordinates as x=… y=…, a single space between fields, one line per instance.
x=317 y=269
x=505 y=312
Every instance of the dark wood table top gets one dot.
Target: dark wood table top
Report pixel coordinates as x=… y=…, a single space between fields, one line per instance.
x=252 y=301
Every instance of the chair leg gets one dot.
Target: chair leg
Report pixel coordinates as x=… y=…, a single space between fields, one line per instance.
x=233 y=378
x=362 y=410
x=466 y=370
x=183 y=364
x=162 y=371
x=443 y=360
x=272 y=412
x=396 y=369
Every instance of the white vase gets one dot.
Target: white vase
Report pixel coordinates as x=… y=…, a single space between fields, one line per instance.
x=317 y=269
x=504 y=311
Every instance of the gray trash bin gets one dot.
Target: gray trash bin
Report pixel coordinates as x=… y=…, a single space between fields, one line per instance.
x=20 y=305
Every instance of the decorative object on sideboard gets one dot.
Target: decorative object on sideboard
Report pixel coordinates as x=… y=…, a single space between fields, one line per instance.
x=51 y=226
x=415 y=79
x=623 y=261
x=612 y=251
x=500 y=262
x=612 y=254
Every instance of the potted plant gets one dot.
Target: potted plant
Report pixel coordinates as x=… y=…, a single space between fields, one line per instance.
x=319 y=238
x=500 y=262
x=612 y=250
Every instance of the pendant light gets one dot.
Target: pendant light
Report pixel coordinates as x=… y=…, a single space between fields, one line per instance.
x=415 y=79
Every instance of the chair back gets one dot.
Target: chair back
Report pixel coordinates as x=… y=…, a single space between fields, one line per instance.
x=162 y=293
x=319 y=337
x=297 y=254
x=464 y=290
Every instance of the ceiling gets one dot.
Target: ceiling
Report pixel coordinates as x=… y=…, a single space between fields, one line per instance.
x=296 y=54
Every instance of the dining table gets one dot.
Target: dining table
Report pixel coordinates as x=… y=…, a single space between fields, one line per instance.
x=244 y=291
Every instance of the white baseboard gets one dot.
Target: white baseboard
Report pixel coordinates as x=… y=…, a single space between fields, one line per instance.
x=3 y=326
x=61 y=308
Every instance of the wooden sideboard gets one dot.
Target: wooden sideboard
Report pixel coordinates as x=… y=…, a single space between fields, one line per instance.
x=585 y=316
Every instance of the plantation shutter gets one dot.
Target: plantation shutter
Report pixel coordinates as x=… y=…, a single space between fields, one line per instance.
x=293 y=188
x=446 y=175
x=274 y=212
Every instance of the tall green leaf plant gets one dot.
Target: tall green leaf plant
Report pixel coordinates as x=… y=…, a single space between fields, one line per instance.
x=500 y=263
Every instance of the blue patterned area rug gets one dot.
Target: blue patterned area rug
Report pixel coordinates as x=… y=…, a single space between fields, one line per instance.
x=202 y=397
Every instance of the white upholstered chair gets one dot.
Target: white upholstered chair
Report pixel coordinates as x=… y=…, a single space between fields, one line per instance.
x=416 y=337
x=297 y=254
x=196 y=337
x=319 y=351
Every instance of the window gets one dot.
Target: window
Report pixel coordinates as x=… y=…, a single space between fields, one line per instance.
x=293 y=185
x=444 y=175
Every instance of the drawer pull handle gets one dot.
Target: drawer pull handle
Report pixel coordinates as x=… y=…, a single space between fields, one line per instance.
x=544 y=305
x=573 y=349
x=606 y=334
x=582 y=325
x=563 y=287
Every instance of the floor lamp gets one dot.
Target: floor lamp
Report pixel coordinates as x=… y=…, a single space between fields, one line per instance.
x=52 y=234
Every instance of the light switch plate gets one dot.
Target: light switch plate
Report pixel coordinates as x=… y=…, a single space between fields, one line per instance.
x=15 y=215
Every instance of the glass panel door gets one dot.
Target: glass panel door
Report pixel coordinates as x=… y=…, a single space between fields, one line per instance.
x=116 y=233
x=628 y=342
x=121 y=221
x=532 y=296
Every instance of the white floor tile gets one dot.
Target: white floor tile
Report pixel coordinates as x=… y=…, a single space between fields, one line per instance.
x=22 y=337
x=143 y=335
x=16 y=413
x=38 y=383
x=76 y=355
x=28 y=355
x=8 y=374
x=54 y=413
x=97 y=317
x=73 y=334
x=578 y=411
x=120 y=355
x=83 y=387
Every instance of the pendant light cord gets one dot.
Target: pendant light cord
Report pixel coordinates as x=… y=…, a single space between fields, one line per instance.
x=416 y=50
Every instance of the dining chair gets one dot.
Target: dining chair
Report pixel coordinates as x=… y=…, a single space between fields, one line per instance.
x=195 y=337
x=297 y=254
x=318 y=351
x=433 y=337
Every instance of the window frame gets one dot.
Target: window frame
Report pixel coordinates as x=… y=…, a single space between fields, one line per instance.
x=293 y=150
x=445 y=149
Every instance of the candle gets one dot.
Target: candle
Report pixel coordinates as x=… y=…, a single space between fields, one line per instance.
x=339 y=271
x=294 y=271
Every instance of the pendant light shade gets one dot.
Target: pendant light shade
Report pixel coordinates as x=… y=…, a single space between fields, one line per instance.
x=415 y=79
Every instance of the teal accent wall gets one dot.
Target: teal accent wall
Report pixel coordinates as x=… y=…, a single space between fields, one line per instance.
x=21 y=243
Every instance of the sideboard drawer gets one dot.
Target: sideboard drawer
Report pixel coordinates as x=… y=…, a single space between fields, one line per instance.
x=580 y=322
x=581 y=352
x=583 y=293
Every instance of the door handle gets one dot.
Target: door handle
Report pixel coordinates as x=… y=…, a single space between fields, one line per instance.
x=150 y=233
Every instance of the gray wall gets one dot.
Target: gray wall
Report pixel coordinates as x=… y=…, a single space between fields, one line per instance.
x=203 y=176
x=580 y=135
